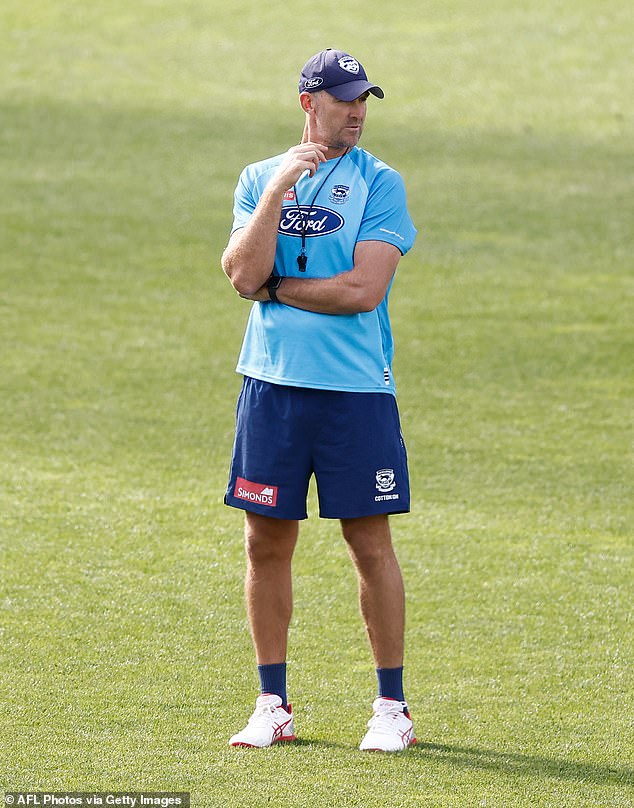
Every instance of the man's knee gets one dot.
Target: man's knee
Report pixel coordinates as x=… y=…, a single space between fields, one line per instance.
x=268 y=539
x=369 y=540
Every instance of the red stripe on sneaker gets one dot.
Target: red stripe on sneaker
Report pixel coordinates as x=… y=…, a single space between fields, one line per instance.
x=278 y=729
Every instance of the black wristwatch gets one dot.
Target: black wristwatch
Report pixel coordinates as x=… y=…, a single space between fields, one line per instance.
x=273 y=284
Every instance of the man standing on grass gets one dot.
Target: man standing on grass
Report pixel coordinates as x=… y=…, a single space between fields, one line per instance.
x=317 y=236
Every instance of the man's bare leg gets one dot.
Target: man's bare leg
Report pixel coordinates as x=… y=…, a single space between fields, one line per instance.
x=268 y=585
x=381 y=592
x=382 y=600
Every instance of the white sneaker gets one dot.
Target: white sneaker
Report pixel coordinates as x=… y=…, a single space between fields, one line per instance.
x=390 y=729
x=269 y=724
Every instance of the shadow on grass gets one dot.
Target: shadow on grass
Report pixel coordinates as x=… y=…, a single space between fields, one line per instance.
x=318 y=743
x=466 y=757
x=531 y=765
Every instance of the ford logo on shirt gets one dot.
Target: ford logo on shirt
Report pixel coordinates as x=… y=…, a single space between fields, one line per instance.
x=316 y=221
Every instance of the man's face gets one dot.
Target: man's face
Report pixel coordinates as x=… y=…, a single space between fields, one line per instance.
x=339 y=124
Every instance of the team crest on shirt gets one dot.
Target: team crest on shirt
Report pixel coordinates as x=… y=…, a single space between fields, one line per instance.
x=385 y=481
x=339 y=194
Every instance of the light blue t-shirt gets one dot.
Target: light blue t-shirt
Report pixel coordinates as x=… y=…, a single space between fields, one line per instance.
x=363 y=199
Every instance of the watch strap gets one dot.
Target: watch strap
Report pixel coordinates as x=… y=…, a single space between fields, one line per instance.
x=273 y=284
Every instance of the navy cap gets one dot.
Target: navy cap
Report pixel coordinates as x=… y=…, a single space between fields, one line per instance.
x=338 y=73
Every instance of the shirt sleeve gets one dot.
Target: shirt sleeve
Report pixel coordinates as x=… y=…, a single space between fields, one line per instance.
x=244 y=200
x=386 y=217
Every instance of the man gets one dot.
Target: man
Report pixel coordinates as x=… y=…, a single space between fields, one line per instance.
x=317 y=235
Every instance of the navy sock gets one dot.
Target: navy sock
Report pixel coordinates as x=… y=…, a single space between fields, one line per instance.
x=273 y=680
x=391 y=683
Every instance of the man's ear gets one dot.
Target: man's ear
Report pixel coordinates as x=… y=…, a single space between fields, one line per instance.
x=306 y=101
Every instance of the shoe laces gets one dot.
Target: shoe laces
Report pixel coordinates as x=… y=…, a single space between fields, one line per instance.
x=383 y=721
x=262 y=715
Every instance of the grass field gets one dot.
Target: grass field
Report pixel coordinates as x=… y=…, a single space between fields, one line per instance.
x=126 y=662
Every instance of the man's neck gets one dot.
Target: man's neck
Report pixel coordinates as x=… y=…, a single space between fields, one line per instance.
x=333 y=152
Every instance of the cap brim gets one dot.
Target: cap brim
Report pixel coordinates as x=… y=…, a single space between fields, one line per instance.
x=351 y=90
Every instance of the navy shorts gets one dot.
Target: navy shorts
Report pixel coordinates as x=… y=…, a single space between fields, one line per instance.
x=351 y=442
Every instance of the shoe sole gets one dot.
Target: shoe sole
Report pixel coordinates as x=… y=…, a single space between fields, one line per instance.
x=244 y=745
x=413 y=742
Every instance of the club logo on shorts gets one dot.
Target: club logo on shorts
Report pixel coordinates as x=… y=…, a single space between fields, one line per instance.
x=385 y=480
x=255 y=492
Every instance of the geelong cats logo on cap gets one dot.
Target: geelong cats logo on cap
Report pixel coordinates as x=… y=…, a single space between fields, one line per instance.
x=349 y=64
